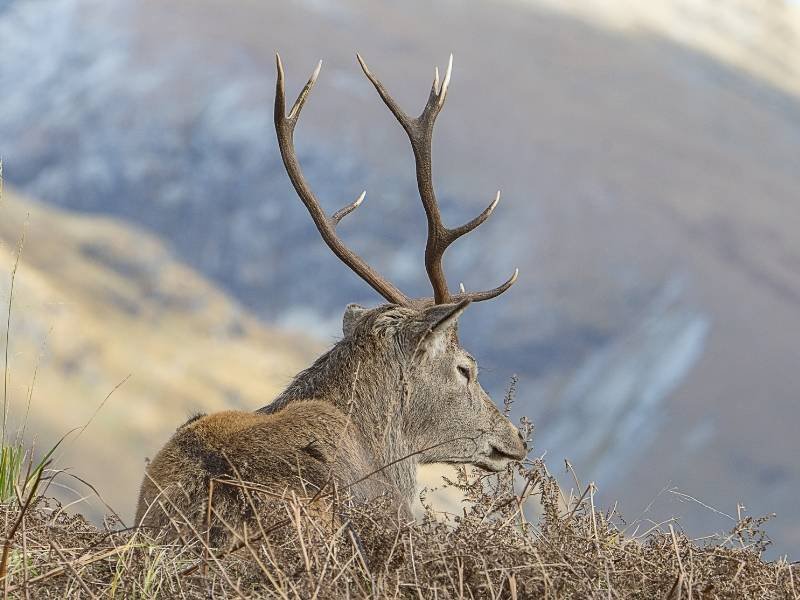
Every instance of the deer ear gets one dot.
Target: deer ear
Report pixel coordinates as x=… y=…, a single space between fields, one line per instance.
x=439 y=323
x=352 y=314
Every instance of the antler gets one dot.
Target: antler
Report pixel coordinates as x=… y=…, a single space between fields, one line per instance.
x=284 y=127
x=420 y=133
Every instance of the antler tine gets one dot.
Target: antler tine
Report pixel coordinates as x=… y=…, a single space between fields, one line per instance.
x=446 y=82
x=488 y=294
x=401 y=116
x=284 y=127
x=343 y=212
x=420 y=134
x=470 y=225
x=301 y=98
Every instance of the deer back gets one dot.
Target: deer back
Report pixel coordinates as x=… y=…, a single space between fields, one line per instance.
x=238 y=459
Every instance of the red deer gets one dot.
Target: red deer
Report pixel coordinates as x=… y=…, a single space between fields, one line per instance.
x=396 y=391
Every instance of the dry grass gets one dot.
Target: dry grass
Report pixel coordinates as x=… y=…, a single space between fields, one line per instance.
x=490 y=550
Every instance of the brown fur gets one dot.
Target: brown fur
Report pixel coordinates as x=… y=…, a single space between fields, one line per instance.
x=298 y=449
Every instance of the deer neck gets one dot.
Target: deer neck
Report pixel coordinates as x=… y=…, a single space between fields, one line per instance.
x=373 y=401
x=372 y=397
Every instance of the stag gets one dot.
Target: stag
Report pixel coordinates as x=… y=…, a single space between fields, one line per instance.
x=396 y=391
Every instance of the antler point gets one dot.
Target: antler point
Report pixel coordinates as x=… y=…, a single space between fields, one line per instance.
x=446 y=82
x=315 y=74
x=363 y=64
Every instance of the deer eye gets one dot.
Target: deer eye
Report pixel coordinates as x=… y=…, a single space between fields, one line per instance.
x=465 y=372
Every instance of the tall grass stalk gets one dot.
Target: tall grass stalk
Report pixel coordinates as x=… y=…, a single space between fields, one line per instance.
x=6 y=372
x=12 y=454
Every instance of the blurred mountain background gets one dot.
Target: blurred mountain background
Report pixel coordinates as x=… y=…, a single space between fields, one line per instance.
x=649 y=158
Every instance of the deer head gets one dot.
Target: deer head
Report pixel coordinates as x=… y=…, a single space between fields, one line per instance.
x=416 y=390
x=440 y=411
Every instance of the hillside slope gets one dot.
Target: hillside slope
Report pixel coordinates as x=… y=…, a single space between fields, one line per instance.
x=97 y=303
x=761 y=37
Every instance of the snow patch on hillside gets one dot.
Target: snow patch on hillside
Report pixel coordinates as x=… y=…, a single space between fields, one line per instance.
x=615 y=402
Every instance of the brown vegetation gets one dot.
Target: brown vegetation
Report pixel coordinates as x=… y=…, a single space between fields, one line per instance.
x=490 y=550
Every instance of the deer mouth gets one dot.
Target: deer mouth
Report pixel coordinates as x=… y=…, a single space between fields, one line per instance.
x=498 y=454
x=498 y=459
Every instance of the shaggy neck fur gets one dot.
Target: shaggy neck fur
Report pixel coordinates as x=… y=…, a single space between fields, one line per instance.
x=371 y=392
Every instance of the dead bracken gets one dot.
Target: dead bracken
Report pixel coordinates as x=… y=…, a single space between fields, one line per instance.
x=490 y=550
